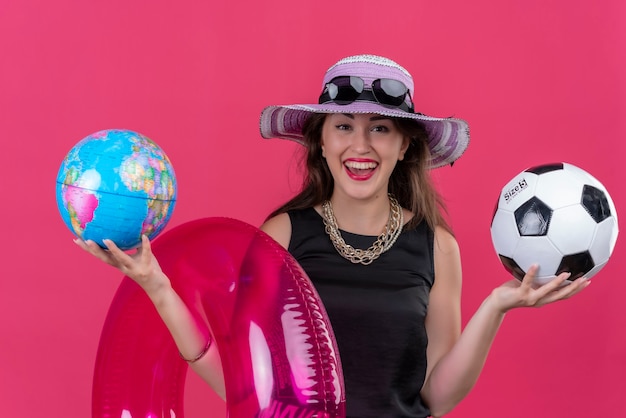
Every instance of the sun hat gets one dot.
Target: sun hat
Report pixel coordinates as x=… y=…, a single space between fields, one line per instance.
x=369 y=84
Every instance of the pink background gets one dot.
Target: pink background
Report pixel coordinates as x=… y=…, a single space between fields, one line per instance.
x=539 y=81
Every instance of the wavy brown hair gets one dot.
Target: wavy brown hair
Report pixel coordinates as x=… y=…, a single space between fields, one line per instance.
x=410 y=181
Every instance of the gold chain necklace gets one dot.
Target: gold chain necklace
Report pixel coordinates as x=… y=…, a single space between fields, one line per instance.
x=382 y=243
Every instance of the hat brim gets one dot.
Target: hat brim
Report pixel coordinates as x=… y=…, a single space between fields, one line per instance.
x=448 y=138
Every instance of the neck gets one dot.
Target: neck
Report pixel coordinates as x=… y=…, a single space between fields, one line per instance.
x=364 y=217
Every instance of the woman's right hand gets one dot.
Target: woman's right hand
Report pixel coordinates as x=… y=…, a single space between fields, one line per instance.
x=142 y=266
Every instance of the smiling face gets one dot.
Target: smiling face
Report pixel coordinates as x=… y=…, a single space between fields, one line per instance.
x=361 y=151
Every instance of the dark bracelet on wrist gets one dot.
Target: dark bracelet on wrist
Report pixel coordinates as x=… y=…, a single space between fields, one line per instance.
x=199 y=356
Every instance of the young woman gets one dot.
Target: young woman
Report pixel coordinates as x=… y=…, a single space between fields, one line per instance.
x=368 y=228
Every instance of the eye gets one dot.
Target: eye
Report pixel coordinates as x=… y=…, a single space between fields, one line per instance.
x=380 y=128
x=343 y=127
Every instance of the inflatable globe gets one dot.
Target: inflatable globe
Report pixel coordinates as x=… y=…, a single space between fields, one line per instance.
x=116 y=184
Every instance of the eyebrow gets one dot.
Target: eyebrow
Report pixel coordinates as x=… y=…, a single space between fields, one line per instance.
x=373 y=118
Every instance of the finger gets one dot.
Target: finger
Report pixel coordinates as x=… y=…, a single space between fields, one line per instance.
x=559 y=281
x=146 y=250
x=80 y=243
x=94 y=249
x=575 y=287
x=566 y=292
x=529 y=278
x=84 y=244
x=116 y=253
x=111 y=246
x=554 y=285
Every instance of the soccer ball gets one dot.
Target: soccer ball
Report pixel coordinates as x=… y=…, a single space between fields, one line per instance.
x=557 y=216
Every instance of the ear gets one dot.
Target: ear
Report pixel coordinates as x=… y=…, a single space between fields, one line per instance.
x=405 y=145
x=323 y=150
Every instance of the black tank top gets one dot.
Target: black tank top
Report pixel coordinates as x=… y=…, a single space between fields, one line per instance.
x=377 y=313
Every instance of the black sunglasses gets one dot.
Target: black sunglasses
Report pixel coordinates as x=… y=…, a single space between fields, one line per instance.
x=346 y=89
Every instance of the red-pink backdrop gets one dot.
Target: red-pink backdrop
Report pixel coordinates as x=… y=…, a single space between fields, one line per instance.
x=539 y=81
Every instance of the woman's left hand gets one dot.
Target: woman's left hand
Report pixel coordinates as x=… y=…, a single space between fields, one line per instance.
x=516 y=294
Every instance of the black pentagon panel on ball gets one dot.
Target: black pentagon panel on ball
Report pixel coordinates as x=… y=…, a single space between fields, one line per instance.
x=545 y=168
x=595 y=202
x=577 y=264
x=512 y=267
x=533 y=218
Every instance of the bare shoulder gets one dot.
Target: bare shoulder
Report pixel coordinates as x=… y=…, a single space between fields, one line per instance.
x=279 y=228
x=445 y=242
x=447 y=259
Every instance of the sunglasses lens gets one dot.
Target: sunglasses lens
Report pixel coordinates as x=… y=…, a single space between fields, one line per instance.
x=389 y=92
x=344 y=89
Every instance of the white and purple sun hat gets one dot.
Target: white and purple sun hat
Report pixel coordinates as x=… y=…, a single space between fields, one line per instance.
x=369 y=84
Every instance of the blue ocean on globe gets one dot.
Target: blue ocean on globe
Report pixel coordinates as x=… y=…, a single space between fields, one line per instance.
x=116 y=184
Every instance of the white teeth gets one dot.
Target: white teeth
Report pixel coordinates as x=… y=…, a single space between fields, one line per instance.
x=360 y=165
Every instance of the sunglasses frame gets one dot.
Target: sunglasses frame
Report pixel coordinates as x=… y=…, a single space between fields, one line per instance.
x=364 y=94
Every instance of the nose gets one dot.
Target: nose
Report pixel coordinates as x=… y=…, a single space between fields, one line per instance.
x=361 y=141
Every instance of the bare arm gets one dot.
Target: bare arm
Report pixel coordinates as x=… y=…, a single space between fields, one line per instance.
x=144 y=269
x=455 y=360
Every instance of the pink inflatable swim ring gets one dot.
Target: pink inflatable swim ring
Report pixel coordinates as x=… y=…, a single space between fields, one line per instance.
x=277 y=348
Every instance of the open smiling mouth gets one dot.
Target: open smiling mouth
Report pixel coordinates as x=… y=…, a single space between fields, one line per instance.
x=360 y=170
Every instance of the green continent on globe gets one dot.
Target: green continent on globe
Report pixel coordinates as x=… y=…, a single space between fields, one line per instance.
x=147 y=169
